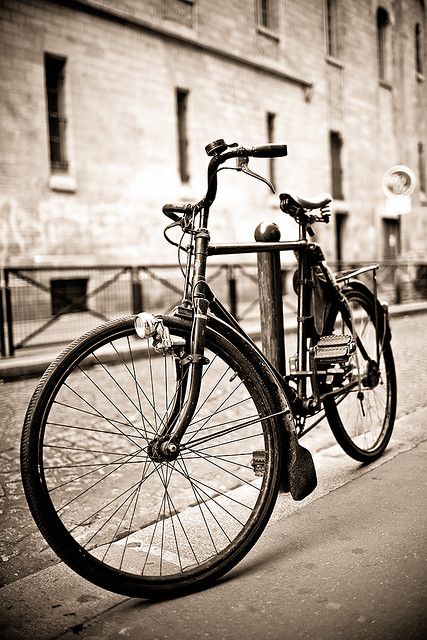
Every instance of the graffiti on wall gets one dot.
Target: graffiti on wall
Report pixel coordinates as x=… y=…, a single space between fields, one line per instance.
x=68 y=227
x=24 y=234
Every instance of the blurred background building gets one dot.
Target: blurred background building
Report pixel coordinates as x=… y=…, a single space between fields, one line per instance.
x=106 y=107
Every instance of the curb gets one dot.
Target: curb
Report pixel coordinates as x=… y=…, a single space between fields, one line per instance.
x=32 y=365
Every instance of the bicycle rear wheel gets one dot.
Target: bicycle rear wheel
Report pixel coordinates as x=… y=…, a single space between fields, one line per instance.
x=113 y=513
x=362 y=418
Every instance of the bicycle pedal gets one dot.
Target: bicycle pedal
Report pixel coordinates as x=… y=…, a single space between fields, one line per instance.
x=334 y=348
x=257 y=462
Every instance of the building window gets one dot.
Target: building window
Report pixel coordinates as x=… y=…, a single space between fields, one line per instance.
x=331 y=18
x=418 y=49
x=181 y=112
x=55 y=94
x=391 y=229
x=336 y=143
x=271 y=120
x=384 y=44
x=340 y=223
x=421 y=169
x=68 y=295
x=267 y=14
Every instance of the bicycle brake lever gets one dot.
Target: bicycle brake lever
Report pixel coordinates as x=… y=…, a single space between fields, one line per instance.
x=242 y=165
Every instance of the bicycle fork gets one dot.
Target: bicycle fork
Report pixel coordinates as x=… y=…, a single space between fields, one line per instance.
x=189 y=370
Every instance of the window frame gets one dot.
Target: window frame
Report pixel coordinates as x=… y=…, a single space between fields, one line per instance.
x=55 y=80
x=421 y=167
x=267 y=17
x=181 y=104
x=271 y=119
x=332 y=39
x=419 y=50
x=384 y=46
x=336 y=144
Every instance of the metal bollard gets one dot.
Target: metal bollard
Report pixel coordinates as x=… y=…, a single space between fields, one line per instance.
x=232 y=291
x=270 y=297
x=2 y=316
x=136 y=291
x=9 y=314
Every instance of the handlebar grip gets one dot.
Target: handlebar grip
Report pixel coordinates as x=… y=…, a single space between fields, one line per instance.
x=269 y=151
x=172 y=210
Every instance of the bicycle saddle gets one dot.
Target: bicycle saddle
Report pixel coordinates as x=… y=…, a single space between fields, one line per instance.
x=315 y=202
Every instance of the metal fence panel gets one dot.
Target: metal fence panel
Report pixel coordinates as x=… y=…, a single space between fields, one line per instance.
x=41 y=306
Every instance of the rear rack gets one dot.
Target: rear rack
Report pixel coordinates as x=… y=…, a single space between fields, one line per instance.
x=352 y=273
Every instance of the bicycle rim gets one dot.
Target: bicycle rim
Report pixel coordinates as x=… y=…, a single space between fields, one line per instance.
x=362 y=419
x=115 y=515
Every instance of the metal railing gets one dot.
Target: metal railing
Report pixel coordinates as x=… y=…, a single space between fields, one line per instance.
x=45 y=305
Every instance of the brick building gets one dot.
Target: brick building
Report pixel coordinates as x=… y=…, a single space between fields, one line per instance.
x=106 y=106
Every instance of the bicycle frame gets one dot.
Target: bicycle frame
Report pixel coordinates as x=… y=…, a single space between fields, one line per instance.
x=309 y=255
x=198 y=298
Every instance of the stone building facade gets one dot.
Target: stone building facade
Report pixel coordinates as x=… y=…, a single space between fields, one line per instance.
x=106 y=106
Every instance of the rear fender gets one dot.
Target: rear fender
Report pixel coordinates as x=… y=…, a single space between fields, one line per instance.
x=384 y=330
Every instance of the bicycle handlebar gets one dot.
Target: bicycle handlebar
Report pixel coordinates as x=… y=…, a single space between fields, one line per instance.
x=268 y=151
x=221 y=152
x=171 y=210
x=264 y=151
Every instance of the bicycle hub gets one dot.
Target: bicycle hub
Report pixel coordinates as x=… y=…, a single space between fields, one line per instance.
x=161 y=450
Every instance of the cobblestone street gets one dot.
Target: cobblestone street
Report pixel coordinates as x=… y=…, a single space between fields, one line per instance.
x=23 y=550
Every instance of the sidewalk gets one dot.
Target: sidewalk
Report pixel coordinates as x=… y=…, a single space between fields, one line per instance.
x=34 y=361
x=345 y=563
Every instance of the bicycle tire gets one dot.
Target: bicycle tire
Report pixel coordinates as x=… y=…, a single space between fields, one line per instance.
x=88 y=517
x=363 y=428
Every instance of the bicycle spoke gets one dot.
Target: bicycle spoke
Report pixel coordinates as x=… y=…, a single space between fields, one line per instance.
x=104 y=524
x=215 y=413
x=129 y=423
x=228 y=442
x=116 y=533
x=154 y=530
x=215 y=493
x=206 y=505
x=84 y=475
x=249 y=422
x=109 y=399
x=209 y=395
x=230 y=473
x=177 y=515
x=95 y=484
x=85 y=449
x=141 y=389
x=90 y=413
x=90 y=429
x=110 y=502
x=115 y=382
x=209 y=417
x=197 y=455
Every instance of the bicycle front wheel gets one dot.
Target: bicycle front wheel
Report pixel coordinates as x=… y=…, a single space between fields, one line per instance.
x=116 y=514
x=362 y=417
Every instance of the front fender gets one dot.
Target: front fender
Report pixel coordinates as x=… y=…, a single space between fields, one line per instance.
x=298 y=471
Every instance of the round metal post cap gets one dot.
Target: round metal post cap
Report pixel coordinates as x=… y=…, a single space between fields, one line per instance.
x=267 y=232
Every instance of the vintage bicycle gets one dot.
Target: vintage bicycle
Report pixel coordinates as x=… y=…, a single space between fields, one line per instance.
x=154 y=446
